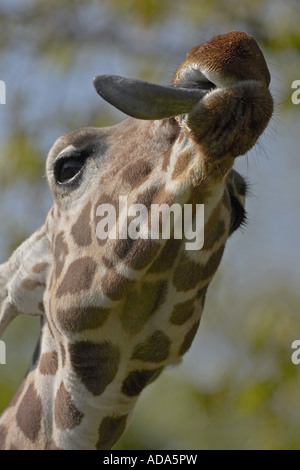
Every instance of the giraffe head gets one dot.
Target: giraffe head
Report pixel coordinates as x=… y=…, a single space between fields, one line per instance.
x=115 y=311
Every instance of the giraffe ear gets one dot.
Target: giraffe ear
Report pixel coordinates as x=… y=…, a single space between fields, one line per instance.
x=23 y=279
x=145 y=100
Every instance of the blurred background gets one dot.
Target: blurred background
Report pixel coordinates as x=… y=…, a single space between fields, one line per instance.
x=237 y=387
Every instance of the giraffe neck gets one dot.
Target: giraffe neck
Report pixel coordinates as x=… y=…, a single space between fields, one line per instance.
x=50 y=411
x=80 y=395
x=79 y=392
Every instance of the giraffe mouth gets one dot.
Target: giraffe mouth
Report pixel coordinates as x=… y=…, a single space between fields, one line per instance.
x=204 y=85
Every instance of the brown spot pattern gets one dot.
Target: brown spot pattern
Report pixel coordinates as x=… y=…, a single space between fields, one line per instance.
x=107 y=263
x=137 y=254
x=31 y=284
x=141 y=304
x=79 y=276
x=66 y=414
x=115 y=286
x=81 y=230
x=123 y=247
x=110 y=430
x=95 y=364
x=166 y=258
x=188 y=339
x=154 y=349
x=79 y=319
x=49 y=363
x=182 y=312
x=137 y=380
x=213 y=230
x=211 y=266
x=29 y=414
x=188 y=273
x=39 y=267
x=137 y=172
x=147 y=196
x=60 y=253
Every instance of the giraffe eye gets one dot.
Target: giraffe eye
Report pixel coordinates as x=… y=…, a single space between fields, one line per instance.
x=67 y=168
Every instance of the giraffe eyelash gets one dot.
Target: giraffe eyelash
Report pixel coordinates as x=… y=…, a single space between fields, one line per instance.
x=238 y=214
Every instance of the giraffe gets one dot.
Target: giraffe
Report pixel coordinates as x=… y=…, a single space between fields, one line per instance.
x=115 y=312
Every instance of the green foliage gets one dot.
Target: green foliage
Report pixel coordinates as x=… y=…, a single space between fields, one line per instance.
x=22 y=160
x=146 y=12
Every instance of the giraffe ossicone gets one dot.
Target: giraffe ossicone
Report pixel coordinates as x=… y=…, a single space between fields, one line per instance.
x=115 y=312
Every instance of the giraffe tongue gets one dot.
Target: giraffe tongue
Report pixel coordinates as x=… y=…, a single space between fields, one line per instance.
x=145 y=100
